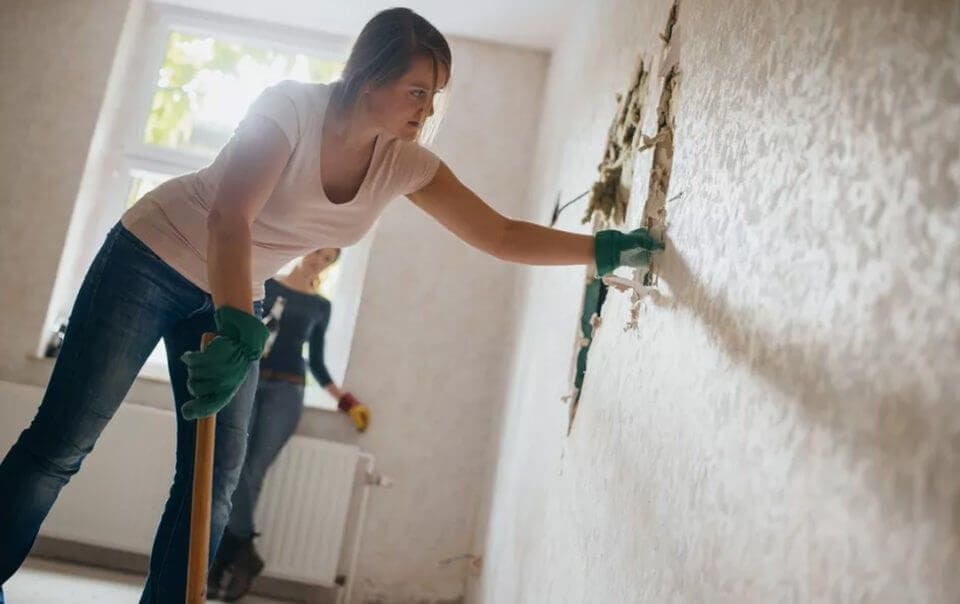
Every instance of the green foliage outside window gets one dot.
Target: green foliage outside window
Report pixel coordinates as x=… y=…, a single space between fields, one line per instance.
x=205 y=84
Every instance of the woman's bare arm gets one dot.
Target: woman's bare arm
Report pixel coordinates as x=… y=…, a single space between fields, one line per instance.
x=248 y=180
x=468 y=217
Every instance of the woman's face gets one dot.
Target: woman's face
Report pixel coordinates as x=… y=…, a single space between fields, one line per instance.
x=402 y=106
x=317 y=261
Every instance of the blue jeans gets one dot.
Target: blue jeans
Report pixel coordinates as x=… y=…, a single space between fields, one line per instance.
x=277 y=408
x=129 y=299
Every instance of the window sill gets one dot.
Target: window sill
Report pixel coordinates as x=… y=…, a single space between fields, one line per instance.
x=36 y=370
x=153 y=383
x=152 y=372
x=317 y=422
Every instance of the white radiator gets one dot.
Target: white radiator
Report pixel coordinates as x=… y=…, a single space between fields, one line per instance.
x=116 y=499
x=303 y=508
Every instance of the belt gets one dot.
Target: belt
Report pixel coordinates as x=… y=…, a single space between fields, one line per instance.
x=273 y=375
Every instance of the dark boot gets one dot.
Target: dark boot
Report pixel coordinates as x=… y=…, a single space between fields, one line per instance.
x=244 y=568
x=230 y=544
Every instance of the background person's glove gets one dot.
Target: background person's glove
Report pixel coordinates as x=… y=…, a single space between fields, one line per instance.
x=615 y=248
x=357 y=411
x=215 y=373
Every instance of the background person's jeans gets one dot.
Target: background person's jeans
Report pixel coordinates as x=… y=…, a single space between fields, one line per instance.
x=277 y=408
x=129 y=299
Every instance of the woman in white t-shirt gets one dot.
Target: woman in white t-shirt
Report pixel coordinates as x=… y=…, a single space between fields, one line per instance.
x=310 y=166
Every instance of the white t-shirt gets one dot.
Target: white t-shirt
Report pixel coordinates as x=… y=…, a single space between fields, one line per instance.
x=297 y=218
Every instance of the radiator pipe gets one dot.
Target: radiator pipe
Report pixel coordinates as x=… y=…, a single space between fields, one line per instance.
x=370 y=479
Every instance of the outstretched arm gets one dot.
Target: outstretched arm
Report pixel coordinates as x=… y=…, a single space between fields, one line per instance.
x=468 y=217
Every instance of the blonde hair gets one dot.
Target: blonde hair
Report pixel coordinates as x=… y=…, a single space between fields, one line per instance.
x=317 y=280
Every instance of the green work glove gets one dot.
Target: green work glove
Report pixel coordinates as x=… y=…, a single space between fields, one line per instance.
x=215 y=374
x=614 y=248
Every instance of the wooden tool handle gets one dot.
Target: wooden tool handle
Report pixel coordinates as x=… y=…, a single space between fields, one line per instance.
x=201 y=502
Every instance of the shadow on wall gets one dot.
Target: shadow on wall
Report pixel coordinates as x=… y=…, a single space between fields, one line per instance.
x=900 y=440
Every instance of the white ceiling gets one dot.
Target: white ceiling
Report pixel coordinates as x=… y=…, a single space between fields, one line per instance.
x=530 y=23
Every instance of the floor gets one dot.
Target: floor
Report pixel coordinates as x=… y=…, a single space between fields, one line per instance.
x=41 y=581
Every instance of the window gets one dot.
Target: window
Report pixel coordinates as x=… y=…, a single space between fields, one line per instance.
x=201 y=91
x=188 y=86
x=206 y=83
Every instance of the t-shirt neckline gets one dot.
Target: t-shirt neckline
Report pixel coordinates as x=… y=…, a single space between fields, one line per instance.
x=370 y=168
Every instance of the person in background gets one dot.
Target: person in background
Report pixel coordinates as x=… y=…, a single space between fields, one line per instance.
x=296 y=314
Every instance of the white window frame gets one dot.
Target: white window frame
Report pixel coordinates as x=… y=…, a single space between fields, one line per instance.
x=128 y=153
x=170 y=18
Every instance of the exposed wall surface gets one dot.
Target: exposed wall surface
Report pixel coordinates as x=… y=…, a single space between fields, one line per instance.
x=782 y=425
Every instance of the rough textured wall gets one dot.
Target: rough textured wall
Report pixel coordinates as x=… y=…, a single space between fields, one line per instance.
x=782 y=425
x=428 y=352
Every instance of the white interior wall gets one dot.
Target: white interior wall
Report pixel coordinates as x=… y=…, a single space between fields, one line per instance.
x=428 y=352
x=783 y=425
x=56 y=61
x=431 y=347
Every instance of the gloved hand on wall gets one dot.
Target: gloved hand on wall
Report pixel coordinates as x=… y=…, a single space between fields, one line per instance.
x=615 y=248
